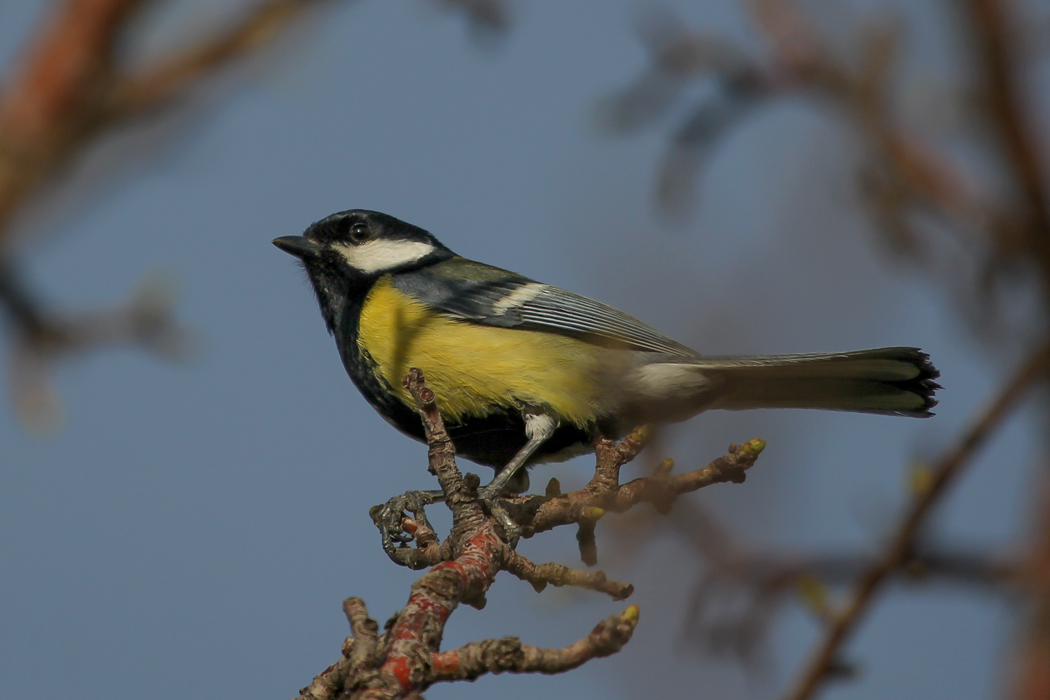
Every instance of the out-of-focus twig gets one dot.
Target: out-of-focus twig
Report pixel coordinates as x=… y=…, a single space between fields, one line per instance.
x=492 y=16
x=44 y=337
x=1001 y=51
x=804 y=62
x=155 y=86
x=1001 y=233
x=902 y=542
x=800 y=62
x=67 y=89
x=741 y=589
x=997 y=38
x=1033 y=663
x=52 y=102
x=69 y=86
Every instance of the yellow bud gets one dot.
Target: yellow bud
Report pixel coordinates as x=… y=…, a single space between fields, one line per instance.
x=813 y=594
x=593 y=513
x=630 y=615
x=920 y=478
x=664 y=468
x=754 y=447
x=642 y=434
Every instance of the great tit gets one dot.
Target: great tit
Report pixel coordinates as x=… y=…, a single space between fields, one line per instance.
x=526 y=372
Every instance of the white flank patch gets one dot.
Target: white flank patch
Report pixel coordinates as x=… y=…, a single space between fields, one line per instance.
x=382 y=254
x=520 y=296
x=667 y=379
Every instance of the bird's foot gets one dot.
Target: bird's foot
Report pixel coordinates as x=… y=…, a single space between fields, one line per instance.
x=388 y=517
x=511 y=530
x=490 y=497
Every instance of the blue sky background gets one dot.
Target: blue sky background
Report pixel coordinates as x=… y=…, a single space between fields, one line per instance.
x=191 y=530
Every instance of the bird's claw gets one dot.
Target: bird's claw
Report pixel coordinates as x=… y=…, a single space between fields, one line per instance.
x=388 y=518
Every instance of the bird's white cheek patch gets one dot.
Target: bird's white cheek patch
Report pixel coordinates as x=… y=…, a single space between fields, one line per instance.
x=380 y=254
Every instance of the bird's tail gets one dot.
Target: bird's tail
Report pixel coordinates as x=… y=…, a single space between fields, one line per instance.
x=891 y=381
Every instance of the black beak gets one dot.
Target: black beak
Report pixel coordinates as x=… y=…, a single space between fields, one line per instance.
x=300 y=247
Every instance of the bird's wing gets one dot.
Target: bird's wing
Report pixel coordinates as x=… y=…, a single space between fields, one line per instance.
x=490 y=296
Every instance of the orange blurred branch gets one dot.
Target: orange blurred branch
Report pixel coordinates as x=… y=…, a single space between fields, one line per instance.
x=155 y=86
x=66 y=90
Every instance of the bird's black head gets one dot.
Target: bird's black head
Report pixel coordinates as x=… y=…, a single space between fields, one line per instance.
x=345 y=253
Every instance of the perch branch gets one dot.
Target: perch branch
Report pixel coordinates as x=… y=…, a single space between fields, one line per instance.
x=406 y=658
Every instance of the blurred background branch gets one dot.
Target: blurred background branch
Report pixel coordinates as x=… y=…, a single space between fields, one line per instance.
x=69 y=88
x=737 y=598
x=899 y=550
x=904 y=178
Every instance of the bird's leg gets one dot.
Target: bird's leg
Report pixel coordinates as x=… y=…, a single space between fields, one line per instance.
x=538 y=428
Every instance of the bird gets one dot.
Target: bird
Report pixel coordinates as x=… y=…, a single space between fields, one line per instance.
x=526 y=373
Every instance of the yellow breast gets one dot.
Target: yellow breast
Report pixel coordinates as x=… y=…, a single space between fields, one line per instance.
x=473 y=368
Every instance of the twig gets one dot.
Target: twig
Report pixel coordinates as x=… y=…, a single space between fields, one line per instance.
x=903 y=540
x=477 y=556
x=441 y=453
x=605 y=493
x=328 y=684
x=539 y=575
x=1033 y=667
x=364 y=629
x=510 y=655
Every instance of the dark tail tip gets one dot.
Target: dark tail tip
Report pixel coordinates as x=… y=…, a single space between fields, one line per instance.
x=923 y=385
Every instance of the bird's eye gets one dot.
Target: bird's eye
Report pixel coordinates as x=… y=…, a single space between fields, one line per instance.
x=359 y=233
